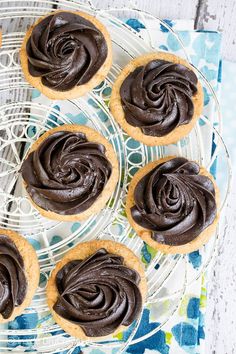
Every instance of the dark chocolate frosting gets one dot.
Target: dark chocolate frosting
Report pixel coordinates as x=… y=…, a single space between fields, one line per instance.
x=13 y=283
x=65 y=50
x=174 y=202
x=66 y=173
x=157 y=97
x=99 y=293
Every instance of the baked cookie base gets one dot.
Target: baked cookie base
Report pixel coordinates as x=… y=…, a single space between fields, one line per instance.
x=145 y=234
x=100 y=202
x=135 y=132
x=31 y=270
x=78 y=90
x=82 y=251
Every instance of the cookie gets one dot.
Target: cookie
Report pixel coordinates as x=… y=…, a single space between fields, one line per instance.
x=70 y=173
x=101 y=314
x=72 y=61
x=22 y=265
x=172 y=213
x=157 y=99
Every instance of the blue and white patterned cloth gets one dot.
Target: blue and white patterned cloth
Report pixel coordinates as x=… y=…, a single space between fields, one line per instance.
x=184 y=333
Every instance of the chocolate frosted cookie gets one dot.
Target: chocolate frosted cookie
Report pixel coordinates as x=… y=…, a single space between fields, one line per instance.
x=19 y=274
x=157 y=99
x=173 y=205
x=96 y=289
x=66 y=54
x=70 y=173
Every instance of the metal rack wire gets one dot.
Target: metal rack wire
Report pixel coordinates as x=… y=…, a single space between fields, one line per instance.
x=23 y=120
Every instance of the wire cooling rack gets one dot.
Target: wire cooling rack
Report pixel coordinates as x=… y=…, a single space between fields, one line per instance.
x=22 y=121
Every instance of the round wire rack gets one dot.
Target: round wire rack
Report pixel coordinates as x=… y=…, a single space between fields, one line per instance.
x=23 y=118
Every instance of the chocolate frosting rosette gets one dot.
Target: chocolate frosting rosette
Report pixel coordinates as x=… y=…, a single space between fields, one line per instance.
x=173 y=204
x=98 y=293
x=157 y=98
x=13 y=282
x=64 y=52
x=70 y=173
x=97 y=289
x=18 y=262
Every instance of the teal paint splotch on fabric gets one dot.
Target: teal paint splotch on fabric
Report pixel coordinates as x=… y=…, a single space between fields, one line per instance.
x=146 y=256
x=30 y=350
x=42 y=280
x=207 y=48
x=31 y=131
x=103 y=116
x=96 y=351
x=53 y=118
x=185 y=37
x=135 y=24
x=157 y=266
x=195 y=259
x=35 y=243
x=77 y=350
x=55 y=239
x=185 y=335
x=209 y=73
x=201 y=330
x=173 y=43
x=206 y=97
x=213 y=166
x=106 y=92
x=75 y=226
x=132 y=144
x=93 y=103
x=163 y=28
x=28 y=321
x=78 y=118
x=156 y=342
x=98 y=87
x=163 y=47
x=101 y=113
x=193 y=308
x=219 y=77
x=37 y=246
x=35 y=93
x=201 y=333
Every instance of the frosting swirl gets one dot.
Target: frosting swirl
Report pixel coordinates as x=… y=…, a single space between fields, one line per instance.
x=157 y=97
x=13 y=283
x=67 y=173
x=65 y=50
x=99 y=293
x=175 y=202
